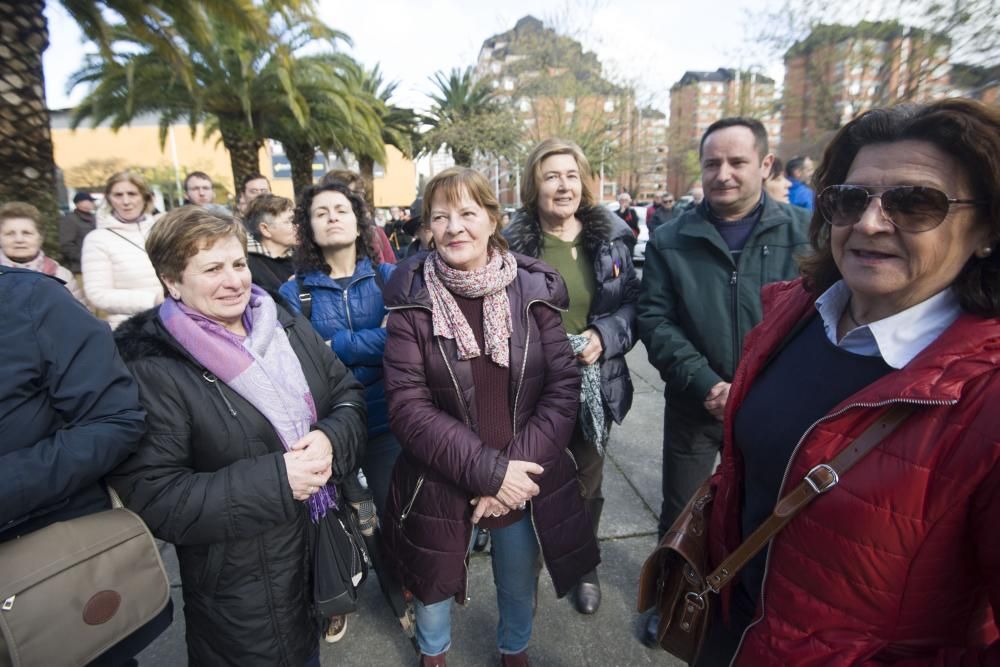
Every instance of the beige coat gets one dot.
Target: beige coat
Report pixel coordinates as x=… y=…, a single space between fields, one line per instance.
x=118 y=278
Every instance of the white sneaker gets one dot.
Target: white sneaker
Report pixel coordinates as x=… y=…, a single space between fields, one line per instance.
x=335 y=632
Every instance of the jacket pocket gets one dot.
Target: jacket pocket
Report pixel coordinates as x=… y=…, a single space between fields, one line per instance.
x=413 y=499
x=215 y=558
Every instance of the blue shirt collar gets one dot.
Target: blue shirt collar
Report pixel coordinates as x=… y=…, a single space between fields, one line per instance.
x=897 y=338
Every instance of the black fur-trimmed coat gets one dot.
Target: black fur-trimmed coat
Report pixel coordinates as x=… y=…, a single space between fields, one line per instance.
x=210 y=477
x=608 y=243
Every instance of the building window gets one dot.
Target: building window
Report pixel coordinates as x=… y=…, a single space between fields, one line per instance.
x=570 y=106
x=524 y=104
x=508 y=83
x=609 y=105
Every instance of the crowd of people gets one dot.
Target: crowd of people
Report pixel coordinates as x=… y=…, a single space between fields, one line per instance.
x=453 y=378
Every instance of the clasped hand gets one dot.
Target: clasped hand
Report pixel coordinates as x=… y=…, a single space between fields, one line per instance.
x=309 y=464
x=517 y=488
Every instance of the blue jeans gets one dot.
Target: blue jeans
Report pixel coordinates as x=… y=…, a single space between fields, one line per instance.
x=515 y=559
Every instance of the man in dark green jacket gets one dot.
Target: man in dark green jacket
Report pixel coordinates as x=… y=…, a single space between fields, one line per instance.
x=701 y=295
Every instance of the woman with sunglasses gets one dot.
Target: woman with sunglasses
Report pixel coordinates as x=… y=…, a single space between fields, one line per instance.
x=898 y=561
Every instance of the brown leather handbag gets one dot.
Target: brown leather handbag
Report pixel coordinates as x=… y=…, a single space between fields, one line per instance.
x=673 y=578
x=72 y=590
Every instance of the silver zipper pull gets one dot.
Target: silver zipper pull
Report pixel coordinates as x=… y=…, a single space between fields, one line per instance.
x=8 y=604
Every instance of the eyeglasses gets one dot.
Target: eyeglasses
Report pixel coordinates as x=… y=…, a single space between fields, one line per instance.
x=910 y=208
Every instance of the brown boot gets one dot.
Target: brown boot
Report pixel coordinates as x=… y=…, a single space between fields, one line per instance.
x=514 y=659
x=433 y=660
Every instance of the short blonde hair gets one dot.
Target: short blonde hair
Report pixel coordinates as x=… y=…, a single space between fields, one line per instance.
x=135 y=179
x=184 y=232
x=451 y=184
x=532 y=177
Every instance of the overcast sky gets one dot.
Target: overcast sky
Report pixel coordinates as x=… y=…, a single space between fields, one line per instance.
x=649 y=43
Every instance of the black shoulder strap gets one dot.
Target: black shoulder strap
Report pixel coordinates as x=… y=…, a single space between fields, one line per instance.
x=305 y=298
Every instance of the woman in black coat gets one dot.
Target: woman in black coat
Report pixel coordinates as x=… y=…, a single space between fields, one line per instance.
x=592 y=249
x=250 y=417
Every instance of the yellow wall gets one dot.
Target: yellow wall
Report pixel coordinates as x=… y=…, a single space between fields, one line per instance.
x=139 y=146
x=399 y=185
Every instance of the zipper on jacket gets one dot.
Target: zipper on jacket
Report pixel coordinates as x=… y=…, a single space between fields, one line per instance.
x=524 y=361
x=8 y=604
x=458 y=390
x=211 y=379
x=784 y=479
x=734 y=294
x=413 y=499
x=347 y=308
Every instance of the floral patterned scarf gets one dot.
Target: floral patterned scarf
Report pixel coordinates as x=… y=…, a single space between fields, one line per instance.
x=490 y=284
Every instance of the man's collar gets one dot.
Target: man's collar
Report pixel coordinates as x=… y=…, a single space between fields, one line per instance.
x=709 y=215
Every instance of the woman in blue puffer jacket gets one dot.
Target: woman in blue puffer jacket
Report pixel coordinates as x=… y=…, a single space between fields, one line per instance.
x=339 y=287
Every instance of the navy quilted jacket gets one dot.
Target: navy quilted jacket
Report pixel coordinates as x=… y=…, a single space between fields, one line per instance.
x=351 y=321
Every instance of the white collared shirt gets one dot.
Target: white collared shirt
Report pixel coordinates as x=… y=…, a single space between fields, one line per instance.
x=897 y=338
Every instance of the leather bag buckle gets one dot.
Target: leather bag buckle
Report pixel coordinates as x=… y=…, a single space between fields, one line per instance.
x=828 y=479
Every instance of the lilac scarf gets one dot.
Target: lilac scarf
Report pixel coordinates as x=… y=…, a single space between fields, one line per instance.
x=262 y=368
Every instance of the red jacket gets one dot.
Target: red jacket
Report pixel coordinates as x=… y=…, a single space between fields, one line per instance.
x=900 y=562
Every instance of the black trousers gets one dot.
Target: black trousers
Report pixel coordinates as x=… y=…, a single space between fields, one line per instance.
x=692 y=439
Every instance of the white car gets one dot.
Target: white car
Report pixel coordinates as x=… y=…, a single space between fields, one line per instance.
x=639 y=252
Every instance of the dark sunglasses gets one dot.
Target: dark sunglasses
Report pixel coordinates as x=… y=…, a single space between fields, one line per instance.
x=910 y=208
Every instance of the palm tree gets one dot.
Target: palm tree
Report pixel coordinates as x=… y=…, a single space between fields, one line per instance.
x=342 y=115
x=466 y=118
x=236 y=80
x=27 y=165
x=398 y=128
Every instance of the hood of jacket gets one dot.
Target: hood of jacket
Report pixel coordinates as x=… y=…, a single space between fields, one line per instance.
x=538 y=282
x=524 y=234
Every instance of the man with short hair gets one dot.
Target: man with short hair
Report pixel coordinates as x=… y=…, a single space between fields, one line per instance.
x=701 y=295
x=799 y=170
x=199 y=190
x=272 y=240
x=663 y=213
x=253 y=186
x=73 y=227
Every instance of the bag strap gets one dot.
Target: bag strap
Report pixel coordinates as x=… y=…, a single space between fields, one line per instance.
x=817 y=481
x=305 y=298
x=128 y=240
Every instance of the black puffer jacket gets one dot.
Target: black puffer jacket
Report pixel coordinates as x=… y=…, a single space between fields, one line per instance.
x=210 y=478
x=608 y=242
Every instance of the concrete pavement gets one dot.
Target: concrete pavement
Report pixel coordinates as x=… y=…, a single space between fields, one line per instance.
x=561 y=636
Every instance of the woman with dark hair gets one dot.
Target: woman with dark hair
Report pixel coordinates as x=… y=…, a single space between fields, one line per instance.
x=483 y=392
x=776 y=184
x=340 y=273
x=898 y=561
x=252 y=421
x=591 y=248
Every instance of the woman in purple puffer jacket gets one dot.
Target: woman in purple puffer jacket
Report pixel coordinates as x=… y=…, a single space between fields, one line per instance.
x=483 y=392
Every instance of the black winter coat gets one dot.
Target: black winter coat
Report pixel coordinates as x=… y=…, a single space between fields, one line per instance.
x=444 y=464
x=608 y=242
x=210 y=478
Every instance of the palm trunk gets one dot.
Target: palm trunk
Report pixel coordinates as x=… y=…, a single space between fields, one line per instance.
x=27 y=164
x=300 y=156
x=366 y=166
x=243 y=146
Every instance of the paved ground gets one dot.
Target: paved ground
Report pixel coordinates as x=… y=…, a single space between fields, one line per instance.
x=561 y=636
